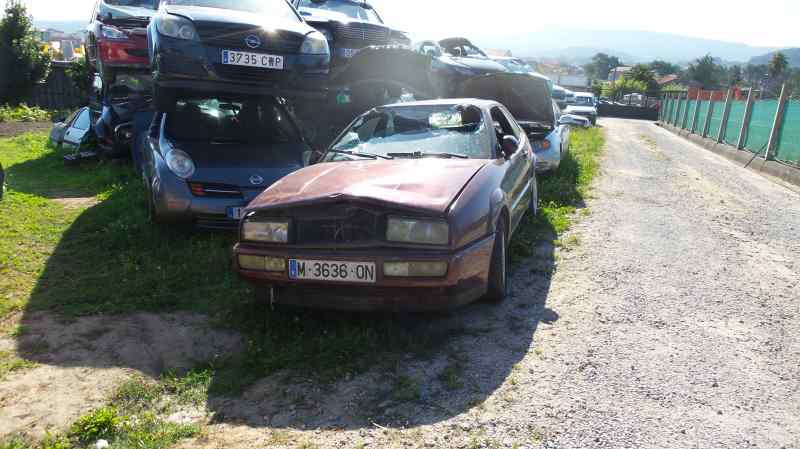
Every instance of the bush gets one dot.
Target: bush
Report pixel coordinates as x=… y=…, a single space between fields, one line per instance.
x=23 y=113
x=81 y=76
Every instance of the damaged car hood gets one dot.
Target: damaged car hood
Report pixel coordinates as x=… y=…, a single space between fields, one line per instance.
x=426 y=185
x=527 y=97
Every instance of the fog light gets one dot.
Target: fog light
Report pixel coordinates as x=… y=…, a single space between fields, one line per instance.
x=260 y=263
x=414 y=269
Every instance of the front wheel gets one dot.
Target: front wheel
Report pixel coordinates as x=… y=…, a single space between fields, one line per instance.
x=498 y=270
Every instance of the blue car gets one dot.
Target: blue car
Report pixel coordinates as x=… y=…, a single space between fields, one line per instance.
x=261 y=47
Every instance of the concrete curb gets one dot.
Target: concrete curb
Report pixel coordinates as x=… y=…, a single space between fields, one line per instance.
x=783 y=172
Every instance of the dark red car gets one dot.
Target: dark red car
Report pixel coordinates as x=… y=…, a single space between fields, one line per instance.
x=412 y=207
x=116 y=38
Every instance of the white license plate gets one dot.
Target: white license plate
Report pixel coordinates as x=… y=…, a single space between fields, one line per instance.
x=324 y=270
x=235 y=213
x=349 y=52
x=247 y=59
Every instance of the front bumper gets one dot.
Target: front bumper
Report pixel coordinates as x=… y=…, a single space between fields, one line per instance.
x=195 y=66
x=548 y=160
x=465 y=282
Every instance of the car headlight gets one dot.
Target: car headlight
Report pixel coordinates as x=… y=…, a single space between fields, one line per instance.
x=410 y=230
x=176 y=27
x=110 y=32
x=180 y=163
x=328 y=35
x=315 y=44
x=276 y=231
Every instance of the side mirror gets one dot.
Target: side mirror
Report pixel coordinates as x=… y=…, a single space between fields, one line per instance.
x=509 y=145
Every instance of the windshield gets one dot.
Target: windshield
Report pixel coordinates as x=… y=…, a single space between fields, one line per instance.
x=404 y=130
x=515 y=66
x=466 y=51
x=559 y=94
x=267 y=7
x=149 y=4
x=584 y=101
x=217 y=120
x=352 y=10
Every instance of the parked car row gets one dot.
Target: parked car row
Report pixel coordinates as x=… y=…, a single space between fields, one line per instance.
x=411 y=205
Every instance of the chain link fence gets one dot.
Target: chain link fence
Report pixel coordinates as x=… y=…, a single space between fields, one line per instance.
x=693 y=116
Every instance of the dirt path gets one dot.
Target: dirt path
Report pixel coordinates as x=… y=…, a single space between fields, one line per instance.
x=11 y=129
x=670 y=319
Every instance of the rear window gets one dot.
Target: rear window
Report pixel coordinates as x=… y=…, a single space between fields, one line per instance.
x=215 y=120
x=267 y=7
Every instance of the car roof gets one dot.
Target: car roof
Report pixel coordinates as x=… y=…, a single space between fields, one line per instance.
x=480 y=103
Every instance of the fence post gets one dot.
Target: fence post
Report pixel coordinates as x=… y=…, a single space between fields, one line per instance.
x=709 y=114
x=677 y=112
x=748 y=112
x=685 y=113
x=775 y=133
x=696 y=114
x=725 y=115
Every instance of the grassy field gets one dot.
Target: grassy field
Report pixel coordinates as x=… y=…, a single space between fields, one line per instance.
x=75 y=241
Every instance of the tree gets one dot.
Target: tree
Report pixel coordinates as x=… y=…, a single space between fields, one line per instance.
x=22 y=62
x=641 y=72
x=778 y=65
x=624 y=86
x=80 y=74
x=735 y=75
x=663 y=68
x=705 y=72
x=600 y=66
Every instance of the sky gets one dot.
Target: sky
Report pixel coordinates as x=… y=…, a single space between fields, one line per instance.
x=766 y=23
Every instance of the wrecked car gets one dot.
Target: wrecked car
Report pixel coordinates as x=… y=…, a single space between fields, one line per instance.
x=116 y=38
x=258 y=47
x=74 y=132
x=456 y=60
x=349 y=26
x=121 y=105
x=205 y=160
x=412 y=207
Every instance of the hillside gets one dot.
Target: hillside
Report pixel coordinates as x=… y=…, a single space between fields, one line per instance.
x=640 y=46
x=67 y=26
x=792 y=54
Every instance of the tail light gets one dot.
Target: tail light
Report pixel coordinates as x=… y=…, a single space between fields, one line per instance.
x=541 y=145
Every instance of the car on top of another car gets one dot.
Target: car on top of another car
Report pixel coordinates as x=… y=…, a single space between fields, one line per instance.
x=116 y=37
x=205 y=160
x=412 y=207
x=349 y=26
x=257 y=47
x=454 y=61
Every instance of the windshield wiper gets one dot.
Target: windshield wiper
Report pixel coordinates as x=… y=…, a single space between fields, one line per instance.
x=359 y=154
x=421 y=154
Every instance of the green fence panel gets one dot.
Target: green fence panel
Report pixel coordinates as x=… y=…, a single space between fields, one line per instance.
x=788 y=149
x=761 y=120
x=687 y=124
x=665 y=105
x=735 y=119
x=716 y=119
x=678 y=111
x=701 y=117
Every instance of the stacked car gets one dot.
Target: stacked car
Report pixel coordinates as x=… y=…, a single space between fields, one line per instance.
x=227 y=109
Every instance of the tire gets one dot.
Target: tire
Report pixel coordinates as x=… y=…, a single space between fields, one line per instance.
x=498 y=270
x=152 y=215
x=534 y=197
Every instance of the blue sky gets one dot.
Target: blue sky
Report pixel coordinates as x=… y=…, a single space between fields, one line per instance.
x=771 y=23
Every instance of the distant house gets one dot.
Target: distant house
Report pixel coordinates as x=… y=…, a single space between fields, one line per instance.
x=668 y=80
x=618 y=72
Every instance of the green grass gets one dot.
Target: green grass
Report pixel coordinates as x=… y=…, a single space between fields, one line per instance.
x=10 y=363
x=104 y=257
x=23 y=113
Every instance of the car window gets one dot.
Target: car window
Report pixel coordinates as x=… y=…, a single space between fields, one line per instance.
x=216 y=120
x=83 y=121
x=408 y=129
x=267 y=7
x=71 y=118
x=351 y=9
x=502 y=127
x=516 y=131
x=430 y=49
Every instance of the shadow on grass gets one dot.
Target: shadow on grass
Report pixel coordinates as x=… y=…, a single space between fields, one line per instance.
x=290 y=368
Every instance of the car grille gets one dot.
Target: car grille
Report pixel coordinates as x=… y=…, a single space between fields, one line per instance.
x=232 y=36
x=337 y=224
x=250 y=74
x=363 y=34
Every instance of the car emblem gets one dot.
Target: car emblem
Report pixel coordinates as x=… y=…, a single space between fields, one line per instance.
x=256 y=180
x=252 y=41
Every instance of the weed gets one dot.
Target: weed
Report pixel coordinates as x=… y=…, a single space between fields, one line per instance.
x=451 y=375
x=406 y=388
x=9 y=363
x=18 y=331
x=279 y=437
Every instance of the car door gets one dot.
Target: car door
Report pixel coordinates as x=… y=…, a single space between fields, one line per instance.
x=516 y=180
x=78 y=130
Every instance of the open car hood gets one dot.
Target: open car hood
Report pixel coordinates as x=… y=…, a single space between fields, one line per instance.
x=426 y=185
x=527 y=97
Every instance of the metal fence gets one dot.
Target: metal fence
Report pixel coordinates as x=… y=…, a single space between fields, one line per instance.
x=57 y=91
x=760 y=126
